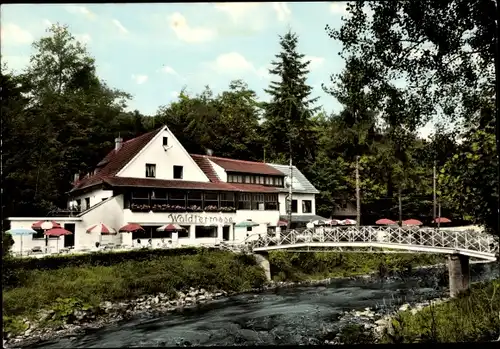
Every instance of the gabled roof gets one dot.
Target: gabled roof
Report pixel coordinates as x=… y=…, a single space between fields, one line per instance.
x=116 y=160
x=242 y=166
x=300 y=183
x=205 y=165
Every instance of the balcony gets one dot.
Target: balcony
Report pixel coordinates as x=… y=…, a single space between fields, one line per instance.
x=143 y=207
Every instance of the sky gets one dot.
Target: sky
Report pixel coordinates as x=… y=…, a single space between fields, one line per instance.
x=153 y=51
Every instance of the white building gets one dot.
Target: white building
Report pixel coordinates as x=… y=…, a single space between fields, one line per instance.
x=152 y=180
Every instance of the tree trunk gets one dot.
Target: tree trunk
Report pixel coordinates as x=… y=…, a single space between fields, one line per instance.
x=358 y=195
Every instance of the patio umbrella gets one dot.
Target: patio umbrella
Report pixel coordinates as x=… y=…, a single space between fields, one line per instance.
x=348 y=222
x=45 y=225
x=412 y=222
x=247 y=223
x=57 y=232
x=385 y=221
x=318 y=222
x=282 y=223
x=101 y=229
x=441 y=220
x=21 y=232
x=170 y=227
x=331 y=222
x=131 y=227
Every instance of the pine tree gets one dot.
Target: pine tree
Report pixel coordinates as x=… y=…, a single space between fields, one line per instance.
x=288 y=124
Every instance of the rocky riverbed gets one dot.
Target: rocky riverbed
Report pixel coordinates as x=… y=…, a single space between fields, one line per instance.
x=373 y=318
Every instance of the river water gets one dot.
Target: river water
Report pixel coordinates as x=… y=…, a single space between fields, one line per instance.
x=299 y=315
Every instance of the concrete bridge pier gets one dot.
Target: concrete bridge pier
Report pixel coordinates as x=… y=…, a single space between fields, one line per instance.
x=459 y=273
x=262 y=259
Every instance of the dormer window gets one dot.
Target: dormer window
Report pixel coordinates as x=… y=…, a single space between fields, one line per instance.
x=150 y=170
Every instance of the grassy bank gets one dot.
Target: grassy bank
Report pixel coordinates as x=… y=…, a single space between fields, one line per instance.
x=64 y=284
x=471 y=317
x=289 y=266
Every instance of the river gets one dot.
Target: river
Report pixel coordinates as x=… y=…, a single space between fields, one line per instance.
x=298 y=315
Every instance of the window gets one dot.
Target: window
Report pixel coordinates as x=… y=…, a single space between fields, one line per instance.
x=271 y=202
x=240 y=179
x=205 y=232
x=244 y=202
x=184 y=234
x=150 y=170
x=194 y=200
x=211 y=200
x=306 y=206
x=158 y=199
x=165 y=141
x=343 y=204
x=294 y=206
x=258 y=202
x=227 y=199
x=87 y=203
x=178 y=171
x=249 y=229
x=177 y=198
x=269 y=181
x=79 y=204
x=261 y=179
x=247 y=179
x=230 y=178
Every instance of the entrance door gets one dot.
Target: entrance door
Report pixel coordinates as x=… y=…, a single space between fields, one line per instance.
x=225 y=233
x=69 y=240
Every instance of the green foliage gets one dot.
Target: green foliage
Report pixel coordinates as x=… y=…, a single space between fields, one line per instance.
x=91 y=285
x=14 y=325
x=356 y=334
x=320 y=265
x=470 y=317
x=16 y=269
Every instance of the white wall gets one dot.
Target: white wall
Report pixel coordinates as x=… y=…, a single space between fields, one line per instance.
x=28 y=242
x=154 y=153
x=109 y=213
x=221 y=173
x=299 y=198
x=96 y=196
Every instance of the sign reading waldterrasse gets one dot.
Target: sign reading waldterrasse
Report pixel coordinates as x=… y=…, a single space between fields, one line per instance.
x=194 y=218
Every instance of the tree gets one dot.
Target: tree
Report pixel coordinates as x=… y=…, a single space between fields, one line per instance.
x=288 y=126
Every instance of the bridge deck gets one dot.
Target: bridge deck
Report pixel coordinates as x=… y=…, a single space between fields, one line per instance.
x=469 y=243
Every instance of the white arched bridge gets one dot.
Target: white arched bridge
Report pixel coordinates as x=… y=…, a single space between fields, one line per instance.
x=459 y=245
x=380 y=239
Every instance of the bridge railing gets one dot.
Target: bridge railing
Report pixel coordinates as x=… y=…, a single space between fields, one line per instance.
x=429 y=237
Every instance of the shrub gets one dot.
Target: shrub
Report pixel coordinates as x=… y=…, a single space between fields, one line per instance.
x=470 y=317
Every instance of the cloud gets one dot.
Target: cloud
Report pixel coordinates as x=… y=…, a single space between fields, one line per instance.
x=120 y=26
x=282 y=11
x=14 y=34
x=80 y=10
x=338 y=8
x=15 y=62
x=237 y=10
x=235 y=64
x=83 y=38
x=168 y=70
x=184 y=32
x=139 y=79
x=315 y=62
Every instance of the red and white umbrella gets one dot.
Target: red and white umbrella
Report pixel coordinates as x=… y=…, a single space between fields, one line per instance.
x=282 y=223
x=347 y=222
x=57 y=232
x=412 y=222
x=170 y=227
x=101 y=229
x=441 y=220
x=131 y=227
x=331 y=222
x=385 y=221
x=45 y=225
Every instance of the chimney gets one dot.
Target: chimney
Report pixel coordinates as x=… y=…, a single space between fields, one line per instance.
x=76 y=177
x=209 y=152
x=118 y=143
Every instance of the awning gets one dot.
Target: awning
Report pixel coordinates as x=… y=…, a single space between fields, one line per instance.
x=247 y=223
x=302 y=218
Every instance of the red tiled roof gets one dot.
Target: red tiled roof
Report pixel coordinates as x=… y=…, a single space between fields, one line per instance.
x=206 y=167
x=177 y=184
x=243 y=166
x=116 y=160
